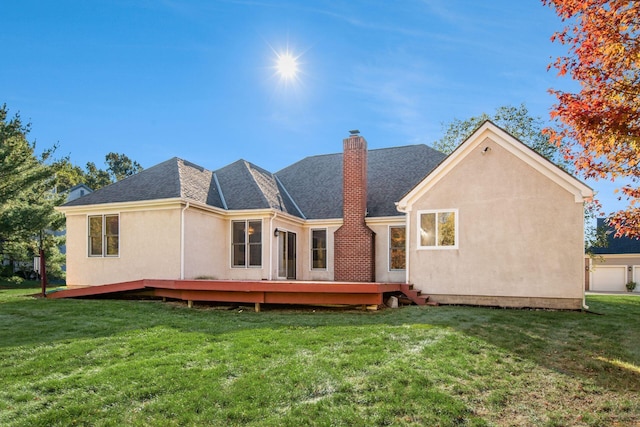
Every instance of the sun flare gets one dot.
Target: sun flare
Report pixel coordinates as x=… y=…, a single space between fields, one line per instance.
x=287 y=66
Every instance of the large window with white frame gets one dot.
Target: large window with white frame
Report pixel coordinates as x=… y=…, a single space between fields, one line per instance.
x=246 y=243
x=319 y=249
x=397 y=247
x=104 y=235
x=438 y=229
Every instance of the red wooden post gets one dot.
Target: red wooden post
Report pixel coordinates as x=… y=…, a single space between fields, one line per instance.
x=43 y=274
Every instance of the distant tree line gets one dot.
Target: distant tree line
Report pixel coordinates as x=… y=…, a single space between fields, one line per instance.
x=31 y=185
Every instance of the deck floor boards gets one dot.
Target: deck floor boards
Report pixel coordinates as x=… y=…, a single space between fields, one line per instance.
x=244 y=291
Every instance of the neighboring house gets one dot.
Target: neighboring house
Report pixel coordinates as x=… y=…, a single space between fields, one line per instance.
x=73 y=193
x=611 y=267
x=494 y=223
x=78 y=191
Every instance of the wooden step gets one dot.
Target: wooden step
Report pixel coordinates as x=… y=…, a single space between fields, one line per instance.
x=414 y=295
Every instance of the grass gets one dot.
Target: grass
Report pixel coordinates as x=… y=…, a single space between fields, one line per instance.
x=112 y=363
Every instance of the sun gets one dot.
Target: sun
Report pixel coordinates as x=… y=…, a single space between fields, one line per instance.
x=287 y=65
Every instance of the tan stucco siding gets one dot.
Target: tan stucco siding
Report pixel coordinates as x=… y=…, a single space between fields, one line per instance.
x=383 y=272
x=149 y=248
x=519 y=233
x=309 y=273
x=206 y=242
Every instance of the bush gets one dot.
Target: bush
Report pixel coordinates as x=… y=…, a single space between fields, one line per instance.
x=631 y=285
x=14 y=280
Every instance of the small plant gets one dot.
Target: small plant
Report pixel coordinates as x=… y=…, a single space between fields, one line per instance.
x=14 y=280
x=631 y=285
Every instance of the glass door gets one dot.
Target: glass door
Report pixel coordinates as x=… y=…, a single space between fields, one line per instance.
x=287 y=255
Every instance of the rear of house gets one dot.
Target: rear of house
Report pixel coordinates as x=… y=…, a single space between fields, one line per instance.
x=492 y=224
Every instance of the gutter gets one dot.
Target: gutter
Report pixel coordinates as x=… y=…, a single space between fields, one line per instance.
x=182 y=240
x=584 y=293
x=407 y=216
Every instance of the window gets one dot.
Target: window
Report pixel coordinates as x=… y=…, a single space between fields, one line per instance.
x=247 y=243
x=438 y=229
x=104 y=235
x=397 y=248
x=319 y=249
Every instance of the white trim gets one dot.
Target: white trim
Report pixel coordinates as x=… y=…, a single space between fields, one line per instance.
x=486 y=135
x=613 y=256
x=182 y=240
x=408 y=233
x=635 y=276
x=437 y=247
x=285 y=231
x=389 y=270
x=326 y=237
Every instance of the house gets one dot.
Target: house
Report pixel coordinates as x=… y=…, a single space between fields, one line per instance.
x=73 y=193
x=494 y=223
x=612 y=266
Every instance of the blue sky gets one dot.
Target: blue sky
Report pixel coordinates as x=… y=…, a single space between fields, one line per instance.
x=197 y=79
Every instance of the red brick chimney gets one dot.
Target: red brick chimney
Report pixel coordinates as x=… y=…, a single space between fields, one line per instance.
x=354 y=249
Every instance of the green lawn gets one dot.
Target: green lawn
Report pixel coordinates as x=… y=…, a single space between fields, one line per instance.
x=114 y=363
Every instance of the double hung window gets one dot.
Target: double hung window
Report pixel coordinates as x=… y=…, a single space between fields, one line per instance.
x=247 y=243
x=397 y=247
x=319 y=249
x=104 y=235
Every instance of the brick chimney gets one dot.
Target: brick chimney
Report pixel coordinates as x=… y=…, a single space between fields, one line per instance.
x=354 y=249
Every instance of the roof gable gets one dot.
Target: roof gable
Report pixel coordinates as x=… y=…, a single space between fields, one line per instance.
x=499 y=136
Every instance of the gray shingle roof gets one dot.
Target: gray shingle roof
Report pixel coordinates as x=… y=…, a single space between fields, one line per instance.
x=616 y=245
x=310 y=188
x=315 y=183
x=161 y=181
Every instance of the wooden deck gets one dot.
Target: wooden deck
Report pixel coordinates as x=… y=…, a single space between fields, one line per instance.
x=255 y=292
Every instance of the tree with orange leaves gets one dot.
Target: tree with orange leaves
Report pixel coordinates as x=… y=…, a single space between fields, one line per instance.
x=599 y=127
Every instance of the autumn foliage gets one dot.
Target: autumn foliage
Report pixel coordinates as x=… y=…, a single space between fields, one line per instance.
x=599 y=127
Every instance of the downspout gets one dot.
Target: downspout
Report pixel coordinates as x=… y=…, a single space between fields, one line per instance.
x=182 y=241
x=270 y=275
x=407 y=238
x=584 y=293
x=585 y=271
x=407 y=244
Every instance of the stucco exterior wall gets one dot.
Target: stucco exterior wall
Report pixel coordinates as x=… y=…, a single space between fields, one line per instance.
x=383 y=272
x=318 y=274
x=520 y=234
x=207 y=251
x=149 y=248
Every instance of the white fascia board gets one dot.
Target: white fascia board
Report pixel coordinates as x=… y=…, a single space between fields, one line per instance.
x=488 y=130
x=157 y=204
x=398 y=219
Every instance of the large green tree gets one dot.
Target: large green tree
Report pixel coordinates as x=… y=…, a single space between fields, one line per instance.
x=119 y=166
x=515 y=120
x=27 y=199
x=20 y=168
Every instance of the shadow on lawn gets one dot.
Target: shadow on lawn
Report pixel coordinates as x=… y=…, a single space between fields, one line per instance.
x=604 y=349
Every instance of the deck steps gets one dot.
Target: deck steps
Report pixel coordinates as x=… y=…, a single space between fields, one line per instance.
x=415 y=295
